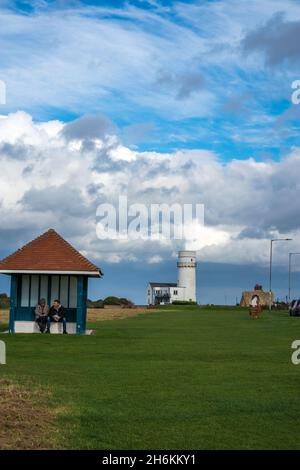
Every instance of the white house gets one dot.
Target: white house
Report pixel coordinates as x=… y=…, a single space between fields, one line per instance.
x=184 y=289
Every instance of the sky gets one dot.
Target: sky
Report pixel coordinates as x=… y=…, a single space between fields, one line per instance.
x=162 y=102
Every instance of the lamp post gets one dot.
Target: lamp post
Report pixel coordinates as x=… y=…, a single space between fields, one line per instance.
x=290 y=268
x=270 y=274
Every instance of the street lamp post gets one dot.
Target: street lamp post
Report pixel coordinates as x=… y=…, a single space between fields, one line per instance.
x=270 y=274
x=290 y=268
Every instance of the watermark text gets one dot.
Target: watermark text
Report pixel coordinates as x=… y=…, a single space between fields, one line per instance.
x=152 y=222
x=296 y=94
x=2 y=92
x=296 y=354
x=2 y=353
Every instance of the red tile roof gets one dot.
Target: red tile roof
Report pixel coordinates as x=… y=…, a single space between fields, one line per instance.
x=48 y=252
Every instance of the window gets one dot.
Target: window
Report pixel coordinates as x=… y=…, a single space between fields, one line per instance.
x=64 y=290
x=34 y=291
x=25 y=291
x=35 y=287
x=73 y=292
x=44 y=287
x=54 y=288
x=175 y=292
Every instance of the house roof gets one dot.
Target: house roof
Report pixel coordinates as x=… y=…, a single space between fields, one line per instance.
x=48 y=253
x=163 y=284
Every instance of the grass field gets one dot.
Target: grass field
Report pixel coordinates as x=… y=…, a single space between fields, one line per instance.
x=179 y=378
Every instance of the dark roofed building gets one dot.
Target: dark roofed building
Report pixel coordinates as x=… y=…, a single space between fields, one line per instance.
x=48 y=267
x=163 y=284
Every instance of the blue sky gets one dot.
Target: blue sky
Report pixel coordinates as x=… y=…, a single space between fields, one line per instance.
x=205 y=83
x=183 y=85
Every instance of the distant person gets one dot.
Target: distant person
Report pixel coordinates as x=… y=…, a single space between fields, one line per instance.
x=255 y=307
x=57 y=314
x=41 y=314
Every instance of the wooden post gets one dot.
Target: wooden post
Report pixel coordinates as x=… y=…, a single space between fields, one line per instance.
x=13 y=302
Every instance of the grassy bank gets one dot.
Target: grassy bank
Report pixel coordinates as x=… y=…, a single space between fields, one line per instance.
x=182 y=377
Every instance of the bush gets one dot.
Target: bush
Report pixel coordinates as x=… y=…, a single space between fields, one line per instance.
x=184 y=302
x=126 y=302
x=111 y=300
x=277 y=306
x=4 y=301
x=117 y=301
x=95 y=303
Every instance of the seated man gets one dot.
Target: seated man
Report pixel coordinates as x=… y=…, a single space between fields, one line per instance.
x=41 y=314
x=57 y=314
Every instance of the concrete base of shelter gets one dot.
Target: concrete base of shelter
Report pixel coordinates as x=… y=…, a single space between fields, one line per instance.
x=32 y=327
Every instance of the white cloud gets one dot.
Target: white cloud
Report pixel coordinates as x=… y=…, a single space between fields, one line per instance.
x=200 y=236
x=154 y=259
x=46 y=182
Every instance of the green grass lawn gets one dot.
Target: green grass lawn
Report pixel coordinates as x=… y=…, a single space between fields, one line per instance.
x=181 y=378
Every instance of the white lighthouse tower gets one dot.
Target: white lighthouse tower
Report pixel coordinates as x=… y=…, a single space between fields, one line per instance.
x=187 y=263
x=184 y=289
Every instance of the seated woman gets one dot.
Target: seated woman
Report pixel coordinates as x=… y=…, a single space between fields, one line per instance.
x=57 y=314
x=41 y=314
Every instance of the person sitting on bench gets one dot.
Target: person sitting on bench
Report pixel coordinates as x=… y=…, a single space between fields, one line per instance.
x=57 y=314
x=41 y=314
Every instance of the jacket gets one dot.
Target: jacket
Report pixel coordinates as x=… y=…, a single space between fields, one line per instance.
x=60 y=312
x=39 y=310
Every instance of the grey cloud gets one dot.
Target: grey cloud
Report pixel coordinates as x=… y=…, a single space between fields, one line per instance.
x=12 y=237
x=88 y=128
x=190 y=165
x=290 y=114
x=243 y=194
x=189 y=84
x=160 y=194
x=103 y=161
x=28 y=170
x=254 y=232
x=277 y=39
x=284 y=211
x=17 y=151
x=61 y=200
x=237 y=104
x=184 y=84
x=137 y=133
x=95 y=189
x=162 y=169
